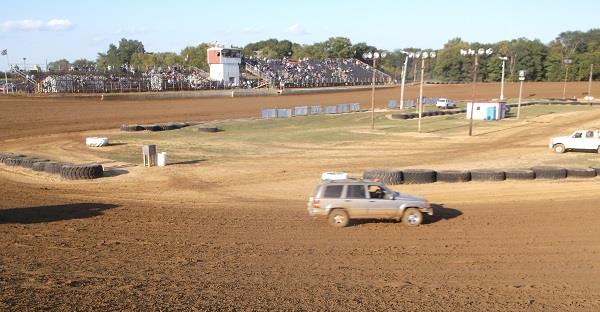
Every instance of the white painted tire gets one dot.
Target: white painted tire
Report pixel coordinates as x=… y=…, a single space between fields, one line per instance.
x=96 y=142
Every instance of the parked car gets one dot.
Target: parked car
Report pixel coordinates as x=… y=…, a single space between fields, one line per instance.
x=345 y=199
x=578 y=140
x=445 y=103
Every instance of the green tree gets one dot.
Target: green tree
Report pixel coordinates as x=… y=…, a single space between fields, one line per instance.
x=59 y=65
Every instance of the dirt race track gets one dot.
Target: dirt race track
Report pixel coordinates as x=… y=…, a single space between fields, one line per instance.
x=236 y=236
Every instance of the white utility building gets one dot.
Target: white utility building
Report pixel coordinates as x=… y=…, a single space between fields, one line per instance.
x=224 y=65
x=487 y=110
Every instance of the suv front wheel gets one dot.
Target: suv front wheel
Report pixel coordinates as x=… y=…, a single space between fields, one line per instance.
x=338 y=218
x=412 y=217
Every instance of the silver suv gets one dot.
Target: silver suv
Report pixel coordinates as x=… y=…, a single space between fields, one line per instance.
x=342 y=200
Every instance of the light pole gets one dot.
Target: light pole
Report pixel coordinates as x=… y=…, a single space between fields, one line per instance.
x=566 y=62
x=373 y=56
x=424 y=55
x=521 y=79
x=503 y=59
x=589 y=95
x=408 y=55
x=470 y=52
x=25 y=64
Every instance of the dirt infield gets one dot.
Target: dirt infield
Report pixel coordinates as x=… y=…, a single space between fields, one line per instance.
x=233 y=234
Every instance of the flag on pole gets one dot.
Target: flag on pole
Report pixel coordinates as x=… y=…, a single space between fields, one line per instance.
x=4 y=52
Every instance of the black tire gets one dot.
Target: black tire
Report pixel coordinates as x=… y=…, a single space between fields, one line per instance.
x=412 y=115
x=597 y=171
x=52 y=167
x=581 y=173
x=80 y=172
x=453 y=176
x=418 y=176
x=559 y=148
x=338 y=218
x=487 y=175
x=399 y=116
x=131 y=128
x=520 y=175
x=209 y=129
x=412 y=217
x=551 y=173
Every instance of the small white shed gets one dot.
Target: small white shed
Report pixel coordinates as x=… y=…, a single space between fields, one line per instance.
x=487 y=110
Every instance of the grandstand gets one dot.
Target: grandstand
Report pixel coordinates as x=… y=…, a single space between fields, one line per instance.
x=256 y=73
x=314 y=73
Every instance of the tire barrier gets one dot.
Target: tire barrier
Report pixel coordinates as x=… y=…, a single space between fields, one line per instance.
x=155 y=127
x=551 y=173
x=65 y=170
x=581 y=172
x=81 y=172
x=403 y=116
x=422 y=176
x=131 y=128
x=39 y=166
x=27 y=162
x=209 y=129
x=386 y=176
x=453 y=176
x=52 y=167
x=151 y=128
x=519 y=174
x=419 y=176
x=487 y=175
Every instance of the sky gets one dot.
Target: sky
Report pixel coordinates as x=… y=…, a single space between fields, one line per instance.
x=45 y=30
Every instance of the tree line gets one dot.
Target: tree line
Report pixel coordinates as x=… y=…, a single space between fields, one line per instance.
x=542 y=62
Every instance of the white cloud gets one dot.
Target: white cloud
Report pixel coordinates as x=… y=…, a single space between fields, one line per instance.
x=297 y=29
x=59 y=24
x=36 y=25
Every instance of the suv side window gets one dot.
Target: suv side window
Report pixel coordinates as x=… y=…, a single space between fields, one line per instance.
x=333 y=191
x=577 y=135
x=355 y=191
x=589 y=134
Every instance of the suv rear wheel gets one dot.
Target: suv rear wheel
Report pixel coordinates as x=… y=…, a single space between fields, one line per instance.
x=412 y=217
x=338 y=218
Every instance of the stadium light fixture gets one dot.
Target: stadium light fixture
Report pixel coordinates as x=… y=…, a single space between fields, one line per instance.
x=374 y=56
x=480 y=52
x=408 y=55
x=503 y=59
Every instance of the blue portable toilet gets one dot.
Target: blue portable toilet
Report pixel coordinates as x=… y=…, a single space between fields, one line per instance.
x=490 y=113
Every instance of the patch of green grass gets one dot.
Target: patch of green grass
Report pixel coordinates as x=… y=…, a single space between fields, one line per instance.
x=252 y=138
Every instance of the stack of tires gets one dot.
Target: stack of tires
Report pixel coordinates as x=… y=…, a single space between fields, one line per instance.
x=65 y=170
x=154 y=127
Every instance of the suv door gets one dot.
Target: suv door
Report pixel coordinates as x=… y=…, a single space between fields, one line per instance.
x=380 y=203
x=356 y=200
x=577 y=140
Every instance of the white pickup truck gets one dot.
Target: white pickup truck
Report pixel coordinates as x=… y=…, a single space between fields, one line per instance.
x=445 y=103
x=579 y=140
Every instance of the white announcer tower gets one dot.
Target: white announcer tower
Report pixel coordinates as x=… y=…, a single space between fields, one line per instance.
x=224 y=65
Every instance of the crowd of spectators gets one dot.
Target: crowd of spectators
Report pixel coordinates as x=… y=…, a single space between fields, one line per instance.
x=278 y=72
x=309 y=72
